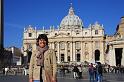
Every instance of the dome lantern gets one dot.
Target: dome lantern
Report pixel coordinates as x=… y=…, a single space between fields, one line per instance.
x=71 y=10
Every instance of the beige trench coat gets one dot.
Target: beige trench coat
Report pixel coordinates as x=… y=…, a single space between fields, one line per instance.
x=50 y=66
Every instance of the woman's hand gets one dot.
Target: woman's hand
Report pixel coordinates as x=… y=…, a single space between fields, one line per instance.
x=30 y=80
x=54 y=80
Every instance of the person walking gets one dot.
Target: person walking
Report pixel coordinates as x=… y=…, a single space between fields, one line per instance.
x=24 y=71
x=99 y=72
x=43 y=65
x=62 y=71
x=91 y=73
x=6 y=69
x=75 y=72
x=80 y=71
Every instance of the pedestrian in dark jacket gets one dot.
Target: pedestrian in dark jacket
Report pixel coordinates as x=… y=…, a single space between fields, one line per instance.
x=91 y=72
x=76 y=71
x=99 y=70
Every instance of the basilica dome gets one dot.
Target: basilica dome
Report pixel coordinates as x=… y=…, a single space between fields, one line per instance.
x=71 y=20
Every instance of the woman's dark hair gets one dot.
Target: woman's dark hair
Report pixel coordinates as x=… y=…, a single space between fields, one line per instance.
x=42 y=36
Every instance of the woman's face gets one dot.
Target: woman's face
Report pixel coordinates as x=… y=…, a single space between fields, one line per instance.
x=42 y=43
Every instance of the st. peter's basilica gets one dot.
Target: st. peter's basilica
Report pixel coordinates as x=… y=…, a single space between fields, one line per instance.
x=73 y=42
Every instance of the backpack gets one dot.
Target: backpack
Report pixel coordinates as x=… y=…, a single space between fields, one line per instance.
x=99 y=69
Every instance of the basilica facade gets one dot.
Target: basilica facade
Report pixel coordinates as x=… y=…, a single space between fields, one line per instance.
x=73 y=42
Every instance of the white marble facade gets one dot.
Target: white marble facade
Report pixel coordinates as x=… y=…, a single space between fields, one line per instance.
x=71 y=40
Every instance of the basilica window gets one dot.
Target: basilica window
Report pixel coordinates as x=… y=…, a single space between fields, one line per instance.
x=62 y=57
x=55 y=33
x=56 y=55
x=78 y=57
x=85 y=33
x=86 y=55
x=78 y=45
x=86 y=45
x=46 y=32
x=77 y=33
x=69 y=33
x=96 y=32
x=62 y=45
x=78 y=51
x=68 y=58
x=55 y=45
x=97 y=44
x=30 y=34
x=68 y=45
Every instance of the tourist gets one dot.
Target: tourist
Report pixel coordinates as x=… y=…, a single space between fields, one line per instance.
x=43 y=65
x=91 y=73
x=99 y=70
x=75 y=72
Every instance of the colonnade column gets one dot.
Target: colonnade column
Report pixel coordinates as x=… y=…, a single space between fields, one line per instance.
x=53 y=47
x=112 y=56
x=58 y=52
x=114 y=59
x=102 y=52
x=81 y=53
x=91 y=53
x=66 y=53
x=71 y=53
x=50 y=45
x=92 y=50
x=74 y=51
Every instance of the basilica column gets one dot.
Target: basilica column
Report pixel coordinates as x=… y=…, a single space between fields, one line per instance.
x=74 y=51
x=58 y=50
x=81 y=53
x=91 y=54
x=112 y=56
x=66 y=54
x=71 y=51
x=53 y=45
x=102 y=52
x=50 y=45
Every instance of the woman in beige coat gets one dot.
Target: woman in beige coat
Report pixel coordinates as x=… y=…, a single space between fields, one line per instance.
x=43 y=62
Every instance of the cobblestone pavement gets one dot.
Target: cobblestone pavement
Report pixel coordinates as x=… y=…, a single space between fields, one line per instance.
x=109 y=77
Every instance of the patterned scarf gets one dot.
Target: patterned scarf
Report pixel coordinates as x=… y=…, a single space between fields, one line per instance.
x=40 y=55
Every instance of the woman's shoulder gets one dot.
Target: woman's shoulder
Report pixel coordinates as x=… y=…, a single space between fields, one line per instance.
x=34 y=52
x=50 y=50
